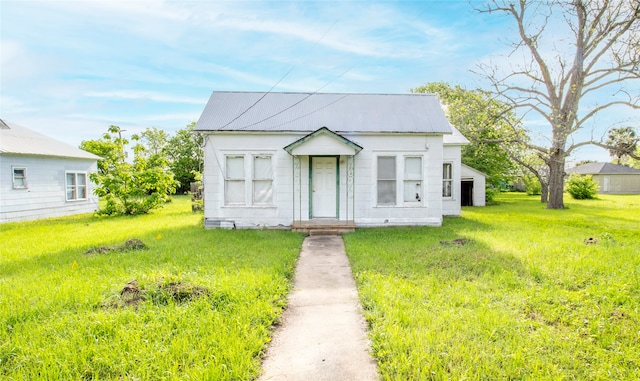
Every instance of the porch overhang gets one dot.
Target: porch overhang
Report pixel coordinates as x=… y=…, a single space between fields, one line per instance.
x=323 y=142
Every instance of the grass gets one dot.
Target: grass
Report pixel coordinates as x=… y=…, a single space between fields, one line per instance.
x=62 y=315
x=524 y=299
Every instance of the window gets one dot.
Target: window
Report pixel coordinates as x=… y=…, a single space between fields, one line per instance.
x=234 y=181
x=76 y=186
x=258 y=174
x=262 y=180
x=19 y=177
x=447 y=180
x=412 y=179
x=386 y=180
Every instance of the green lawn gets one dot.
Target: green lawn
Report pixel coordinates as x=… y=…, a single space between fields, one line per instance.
x=62 y=316
x=523 y=299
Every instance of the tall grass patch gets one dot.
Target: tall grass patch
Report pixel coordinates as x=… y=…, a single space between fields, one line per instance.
x=207 y=298
x=508 y=292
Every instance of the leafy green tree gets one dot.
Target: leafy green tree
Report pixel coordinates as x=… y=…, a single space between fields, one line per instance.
x=532 y=185
x=483 y=122
x=185 y=155
x=128 y=188
x=632 y=161
x=153 y=140
x=110 y=148
x=623 y=142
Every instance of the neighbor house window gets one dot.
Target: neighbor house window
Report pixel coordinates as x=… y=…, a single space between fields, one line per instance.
x=262 y=180
x=412 y=179
x=386 y=180
x=76 y=186
x=447 y=180
x=19 y=177
x=234 y=181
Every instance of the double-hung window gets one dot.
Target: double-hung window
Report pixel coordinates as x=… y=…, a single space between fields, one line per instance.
x=399 y=177
x=386 y=180
x=76 y=186
x=262 y=180
x=412 y=179
x=234 y=183
x=244 y=171
x=19 y=178
x=447 y=180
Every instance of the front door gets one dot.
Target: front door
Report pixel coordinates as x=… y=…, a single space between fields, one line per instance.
x=324 y=194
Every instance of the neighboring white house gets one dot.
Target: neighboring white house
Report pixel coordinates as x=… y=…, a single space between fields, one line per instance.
x=42 y=177
x=281 y=159
x=611 y=178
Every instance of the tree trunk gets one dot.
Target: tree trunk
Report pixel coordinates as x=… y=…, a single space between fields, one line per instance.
x=556 y=181
x=544 y=192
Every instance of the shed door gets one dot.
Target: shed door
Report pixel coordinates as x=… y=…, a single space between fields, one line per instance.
x=466 y=193
x=324 y=188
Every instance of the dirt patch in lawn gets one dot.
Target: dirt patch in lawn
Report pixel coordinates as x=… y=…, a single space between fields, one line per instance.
x=130 y=245
x=159 y=294
x=457 y=241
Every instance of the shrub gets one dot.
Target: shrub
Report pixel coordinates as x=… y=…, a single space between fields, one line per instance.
x=490 y=194
x=581 y=187
x=532 y=185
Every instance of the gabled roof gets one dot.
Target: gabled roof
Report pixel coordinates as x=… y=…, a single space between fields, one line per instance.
x=603 y=169
x=456 y=138
x=473 y=170
x=15 y=139
x=307 y=112
x=349 y=147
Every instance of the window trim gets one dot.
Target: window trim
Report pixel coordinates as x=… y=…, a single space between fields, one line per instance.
x=255 y=179
x=25 y=183
x=76 y=186
x=406 y=180
x=395 y=180
x=249 y=179
x=228 y=179
x=449 y=180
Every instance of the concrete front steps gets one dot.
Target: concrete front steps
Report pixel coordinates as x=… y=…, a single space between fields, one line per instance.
x=323 y=227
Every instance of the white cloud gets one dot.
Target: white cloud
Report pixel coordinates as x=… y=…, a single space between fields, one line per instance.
x=144 y=95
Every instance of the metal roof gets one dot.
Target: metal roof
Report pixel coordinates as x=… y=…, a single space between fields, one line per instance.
x=603 y=169
x=307 y=112
x=15 y=139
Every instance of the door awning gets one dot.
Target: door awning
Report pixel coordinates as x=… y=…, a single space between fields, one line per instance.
x=323 y=142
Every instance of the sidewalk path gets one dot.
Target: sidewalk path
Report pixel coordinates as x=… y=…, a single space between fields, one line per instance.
x=322 y=335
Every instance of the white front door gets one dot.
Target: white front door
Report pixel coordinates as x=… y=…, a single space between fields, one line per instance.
x=324 y=188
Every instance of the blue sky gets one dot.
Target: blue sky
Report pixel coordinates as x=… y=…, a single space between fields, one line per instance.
x=69 y=69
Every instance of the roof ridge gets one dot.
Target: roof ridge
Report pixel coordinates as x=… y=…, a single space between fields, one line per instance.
x=318 y=93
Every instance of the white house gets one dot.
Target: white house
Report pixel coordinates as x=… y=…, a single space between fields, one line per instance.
x=42 y=177
x=289 y=159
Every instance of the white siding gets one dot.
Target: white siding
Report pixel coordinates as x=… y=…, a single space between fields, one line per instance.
x=618 y=183
x=451 y=205
x=287 y=201
x=45 y=195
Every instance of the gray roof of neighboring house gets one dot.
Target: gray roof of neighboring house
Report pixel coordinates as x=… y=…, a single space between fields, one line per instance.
x=15 y=139
x=603 y=169
x=307 y=112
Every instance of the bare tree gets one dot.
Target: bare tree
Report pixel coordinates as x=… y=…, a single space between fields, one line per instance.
x=604 y=56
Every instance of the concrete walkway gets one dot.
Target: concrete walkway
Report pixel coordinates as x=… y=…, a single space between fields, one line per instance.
x=322 y=335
